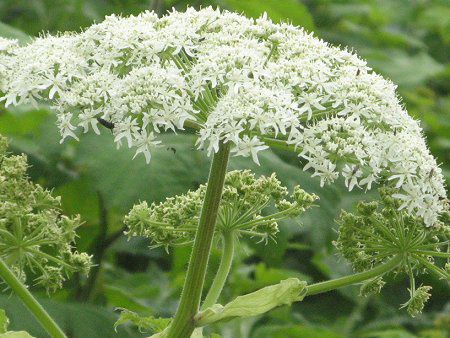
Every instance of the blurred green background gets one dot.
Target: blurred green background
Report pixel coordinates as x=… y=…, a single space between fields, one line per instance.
x=407 y=41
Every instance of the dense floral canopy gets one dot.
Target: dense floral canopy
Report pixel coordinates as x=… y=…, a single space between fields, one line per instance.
x=251 y=83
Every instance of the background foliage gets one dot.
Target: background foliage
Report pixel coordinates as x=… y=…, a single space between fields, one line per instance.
x=405 y=40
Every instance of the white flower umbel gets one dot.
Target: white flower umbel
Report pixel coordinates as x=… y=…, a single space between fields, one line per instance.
x=251 y=83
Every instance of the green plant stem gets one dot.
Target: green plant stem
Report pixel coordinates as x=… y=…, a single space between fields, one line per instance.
x=30 y=302
x=183 y=323
x=333 y=284
x=223 y=271
x=433 y=253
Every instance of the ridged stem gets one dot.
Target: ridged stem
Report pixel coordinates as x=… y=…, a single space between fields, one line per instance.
x=183 y=324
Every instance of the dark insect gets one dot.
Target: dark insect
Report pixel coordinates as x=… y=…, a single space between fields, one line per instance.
x=106 y=124
x=173 y=149
x=431 y=173
x=201 y=39
x=358 y=72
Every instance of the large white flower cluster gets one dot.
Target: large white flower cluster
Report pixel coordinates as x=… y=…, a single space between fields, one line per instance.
x=248 y=82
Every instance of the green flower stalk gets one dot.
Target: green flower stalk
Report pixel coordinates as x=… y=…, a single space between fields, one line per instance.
x=36 y=240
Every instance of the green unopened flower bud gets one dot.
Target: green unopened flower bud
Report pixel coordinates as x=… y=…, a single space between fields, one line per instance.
x=417 y=302
x=302 y=197
x=3 y=146
x=14 y=167
x=51 y=279
x=372 y=287
x=284 y=205
x=81 y=262
x=367 y=209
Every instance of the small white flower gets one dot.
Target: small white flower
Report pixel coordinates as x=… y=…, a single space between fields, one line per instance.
x=89 y=118
x=126 y=129
x=249 y=147
x=144 y=142
x=326 y=172
x=351 y=174
x=65 y=126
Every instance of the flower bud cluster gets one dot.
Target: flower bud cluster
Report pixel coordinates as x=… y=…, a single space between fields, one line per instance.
x=377 y=232
x=244 y=200
x=36 y=240
x=245 y=82
x=417 y=301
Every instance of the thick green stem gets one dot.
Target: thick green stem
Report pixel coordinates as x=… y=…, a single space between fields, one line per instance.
x=30 y=302
x=183 y=323
x=223 y=271
x=333 y=284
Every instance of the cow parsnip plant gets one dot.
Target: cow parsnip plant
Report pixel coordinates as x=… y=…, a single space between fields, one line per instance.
x=243 y=86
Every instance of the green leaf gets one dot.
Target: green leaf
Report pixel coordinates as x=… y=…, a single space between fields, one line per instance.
x=15 y=334
x=140 y=292
x=276 y=331
x=9 y=32
x=143 y=323
x=437 y=18
x=255 y=303
x=404 y=69
x=123 y=181
x=286 y=10
x=81 y=320
x=394 y=333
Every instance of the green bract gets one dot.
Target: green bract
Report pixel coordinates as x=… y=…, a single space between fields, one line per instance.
x=256 y=303
x=36 y=239
x=245 y=197
x=377 y=232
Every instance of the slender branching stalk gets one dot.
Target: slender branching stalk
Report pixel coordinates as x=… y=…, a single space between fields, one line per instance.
x=30 y=302
x=333 y=284
x=223 y=271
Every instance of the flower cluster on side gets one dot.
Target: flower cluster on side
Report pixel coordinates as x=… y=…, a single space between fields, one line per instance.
x=245 y=198
x=36 y=240
x=235 y=79
x=378 y=231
